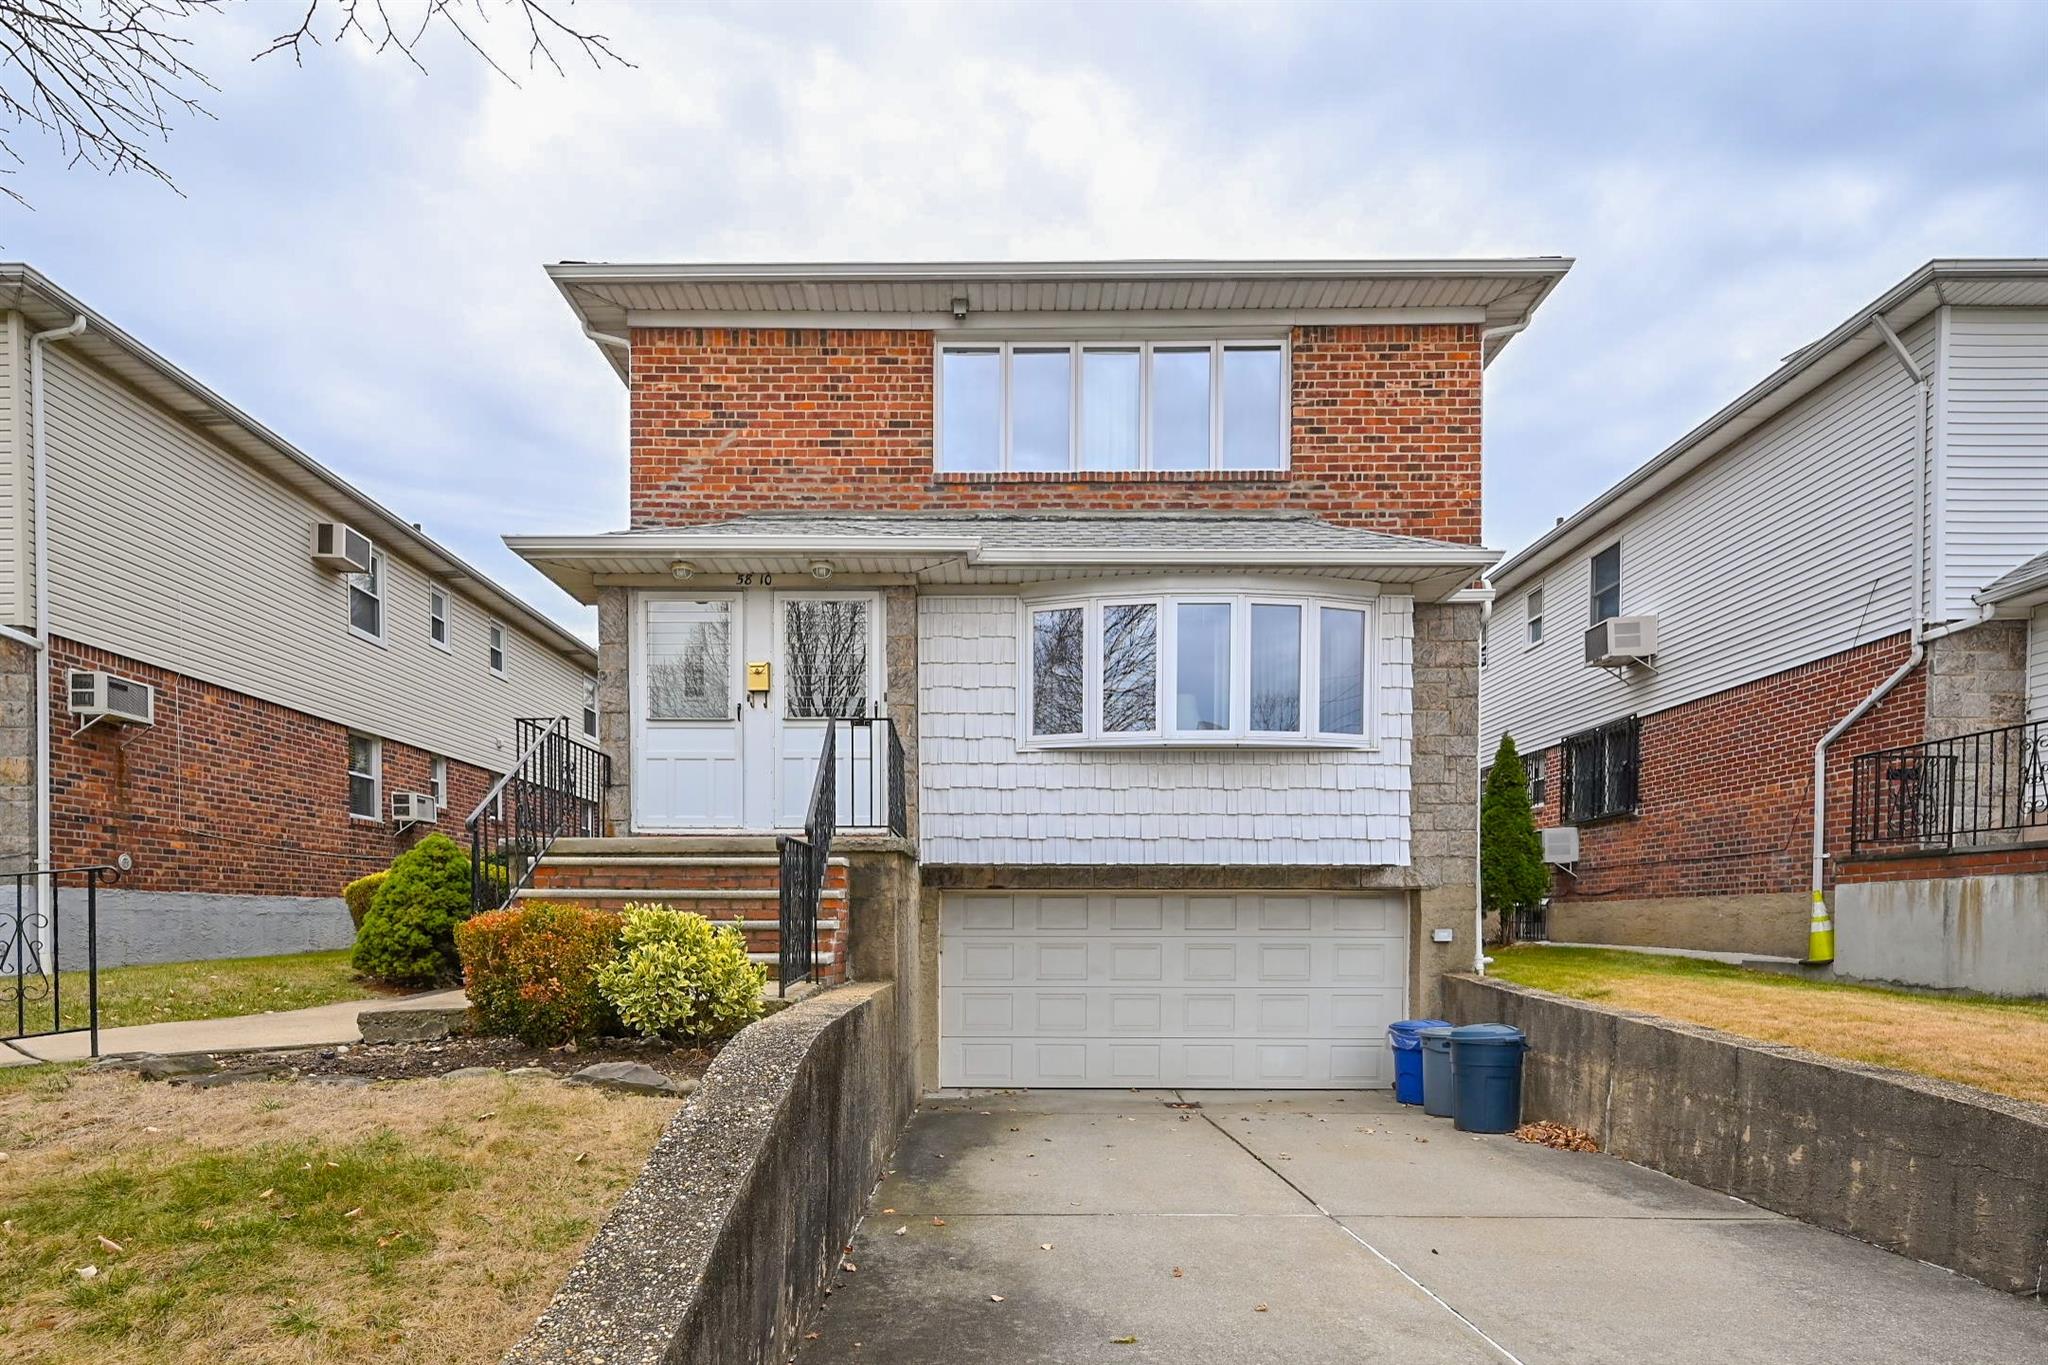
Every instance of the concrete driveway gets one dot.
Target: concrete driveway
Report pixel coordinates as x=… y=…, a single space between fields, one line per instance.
x=1341 y=1227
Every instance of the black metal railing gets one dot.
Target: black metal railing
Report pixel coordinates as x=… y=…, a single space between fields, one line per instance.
x=867 y=772
x=802 y=861
x=41 y=953
x=554 y=790
x=1600 y=771
x=1974 y=790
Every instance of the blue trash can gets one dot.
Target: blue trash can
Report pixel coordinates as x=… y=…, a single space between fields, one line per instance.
x=1407 y=1048
x=1487 y=1062
x=1439 y=1100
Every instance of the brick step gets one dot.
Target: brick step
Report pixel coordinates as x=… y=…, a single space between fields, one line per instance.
x=674 y=873
x=741 y=897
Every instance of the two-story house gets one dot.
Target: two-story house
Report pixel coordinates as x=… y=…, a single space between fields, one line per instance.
x=1151 y=587
x=1779 y=677
x=197 y=677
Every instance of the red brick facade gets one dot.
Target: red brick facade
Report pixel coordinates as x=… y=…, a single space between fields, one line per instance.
x=1725 y=783
x=225 y=794
x=2005 y=861
x=1386 y=429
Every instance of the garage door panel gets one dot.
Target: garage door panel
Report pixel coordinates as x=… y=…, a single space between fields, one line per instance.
x=1233 y=1063
x=1249 y=989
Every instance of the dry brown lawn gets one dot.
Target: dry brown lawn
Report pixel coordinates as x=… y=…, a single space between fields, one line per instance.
x=417 y=1221
x=1993 y=1044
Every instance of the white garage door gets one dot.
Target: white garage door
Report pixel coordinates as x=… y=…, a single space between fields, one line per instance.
x=1245 y=989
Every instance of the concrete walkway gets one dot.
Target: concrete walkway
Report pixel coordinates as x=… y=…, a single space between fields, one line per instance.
x=320 y=1026
x=1341 y=1227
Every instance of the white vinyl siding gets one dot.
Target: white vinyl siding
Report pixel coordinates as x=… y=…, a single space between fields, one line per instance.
x=175 y=551
x=17 y=605
x=1792 y=545
x=2037 y=664
x=1994 y=477
x=988 y=799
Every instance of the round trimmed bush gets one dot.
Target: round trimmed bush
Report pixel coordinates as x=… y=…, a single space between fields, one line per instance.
x=532 y=972
x=408 y=936
x=680 y=978
x=358 y=894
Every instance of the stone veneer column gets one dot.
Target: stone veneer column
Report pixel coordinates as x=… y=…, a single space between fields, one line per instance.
x=1977 y=679
x=615 y=706
x=1444 y=796
x=899 y=655
x=17 y=756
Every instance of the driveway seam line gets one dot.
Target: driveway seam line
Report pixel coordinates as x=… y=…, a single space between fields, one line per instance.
x=1384 y=1259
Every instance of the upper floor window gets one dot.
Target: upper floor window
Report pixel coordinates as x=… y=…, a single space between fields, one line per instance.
x=437 y=782
x=1199 y=668
x=590 y=708
x=1535 y=600
x=1052 y=407
x=1607 y=583
x=497 y=649
x=366 y=600
x=437 y=617
x=365 y=777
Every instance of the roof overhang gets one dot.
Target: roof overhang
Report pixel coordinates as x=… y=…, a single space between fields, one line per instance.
x=1500 y=294
x=1982 y=283
x=583 y=565
x=27 y=291
x=2019 y=591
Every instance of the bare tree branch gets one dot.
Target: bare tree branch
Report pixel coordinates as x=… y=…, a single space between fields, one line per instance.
x=107 y=80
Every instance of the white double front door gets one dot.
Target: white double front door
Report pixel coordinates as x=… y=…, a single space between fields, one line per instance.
x=712 y=748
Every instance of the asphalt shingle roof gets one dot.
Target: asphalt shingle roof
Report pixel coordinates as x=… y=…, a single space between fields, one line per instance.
x=2026 y=578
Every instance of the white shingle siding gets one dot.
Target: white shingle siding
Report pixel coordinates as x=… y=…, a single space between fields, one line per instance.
x=17 y=605
x=986 y=800
x=1994 y=475
x=173 y=550
x=1794 y=544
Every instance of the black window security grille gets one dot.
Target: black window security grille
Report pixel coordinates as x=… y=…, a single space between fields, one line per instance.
x=1601 y=767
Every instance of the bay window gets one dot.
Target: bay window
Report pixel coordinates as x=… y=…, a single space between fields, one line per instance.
x=1025 y=407
x=1197 y=668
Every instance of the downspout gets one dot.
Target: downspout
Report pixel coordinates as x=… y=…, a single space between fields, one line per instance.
x=1479 y=957
x=1821 y=927
x=40 y=501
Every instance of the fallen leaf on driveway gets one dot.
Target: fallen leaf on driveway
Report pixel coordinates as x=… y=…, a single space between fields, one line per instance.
x=905 y=1228
x=1045 y=1246
x=938 y=1222
x=1177 y=1272
x=848 y=1266
x=1123 y=1341
x=995 y=1298
x=1258 y=1308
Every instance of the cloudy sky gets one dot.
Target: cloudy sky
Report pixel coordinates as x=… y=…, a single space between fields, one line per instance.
x=355 y=253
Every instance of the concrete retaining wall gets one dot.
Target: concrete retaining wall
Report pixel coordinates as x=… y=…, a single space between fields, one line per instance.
x=728 y=1236
x=1939 y=1172
x=1968 y=933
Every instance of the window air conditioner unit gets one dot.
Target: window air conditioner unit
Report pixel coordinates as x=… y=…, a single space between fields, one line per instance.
x=341 y=548
x=1561 y=844
x=97 y=696
x=1621 y=640
x=413 y=808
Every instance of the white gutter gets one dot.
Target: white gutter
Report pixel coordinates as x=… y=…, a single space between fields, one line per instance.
x=1823 y=923
x=606 y=338
x=40 y=502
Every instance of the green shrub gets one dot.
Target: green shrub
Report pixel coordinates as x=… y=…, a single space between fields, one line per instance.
x=1512 y=873
x=682 y=979
x=359 y=893
x=408 y=937
x=532 y=972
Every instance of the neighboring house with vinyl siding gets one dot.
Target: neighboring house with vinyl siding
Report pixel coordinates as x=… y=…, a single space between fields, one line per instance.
x=1833 y=535
x=291 y=701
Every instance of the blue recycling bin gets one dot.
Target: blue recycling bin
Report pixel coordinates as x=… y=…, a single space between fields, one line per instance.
x=1439 y=1100
x=1486 y=1060
x=1403 y=1039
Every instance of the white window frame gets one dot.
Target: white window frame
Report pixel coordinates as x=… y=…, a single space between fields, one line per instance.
x=1537 y=770
x=496 y=650
x=1593 y=582
x=375 y=774
x=1165 y=734
x=590 y=706
x=1007 y=346
x=380 y=576
x=1532 y=618
x=437 y=615
x=437 y=781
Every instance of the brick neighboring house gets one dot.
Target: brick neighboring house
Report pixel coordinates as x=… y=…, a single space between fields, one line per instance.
x=1841 y=546
x=290 y=701
x=1150 y=585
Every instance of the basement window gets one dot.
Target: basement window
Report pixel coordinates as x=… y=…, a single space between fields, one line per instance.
x=1235 y=668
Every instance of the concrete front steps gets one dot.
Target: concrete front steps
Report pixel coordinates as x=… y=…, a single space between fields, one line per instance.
x=729 y=879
